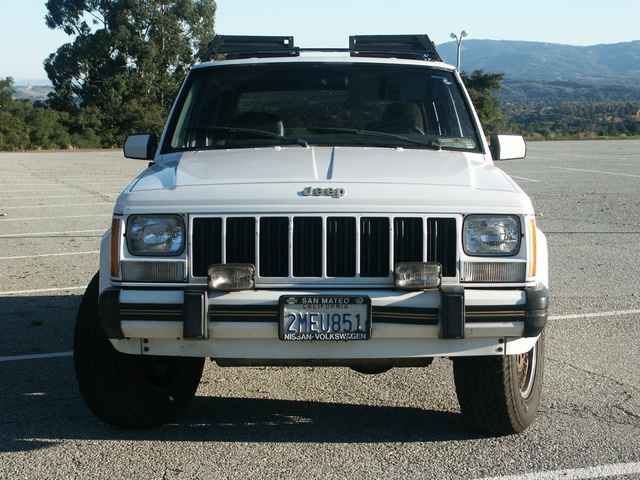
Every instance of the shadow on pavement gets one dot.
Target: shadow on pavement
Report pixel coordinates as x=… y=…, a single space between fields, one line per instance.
x=40 y=404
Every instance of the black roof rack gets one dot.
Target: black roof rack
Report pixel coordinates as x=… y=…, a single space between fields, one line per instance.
x=247 y=46
x=417 y=47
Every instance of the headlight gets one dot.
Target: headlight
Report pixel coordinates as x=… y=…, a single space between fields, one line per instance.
x=489 y=235
x=155 y=235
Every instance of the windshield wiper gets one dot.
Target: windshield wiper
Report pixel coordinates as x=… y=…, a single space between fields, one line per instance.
x=259 y=133
x=425 y=143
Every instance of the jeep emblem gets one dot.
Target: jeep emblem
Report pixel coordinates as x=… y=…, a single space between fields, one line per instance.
x=327 y=192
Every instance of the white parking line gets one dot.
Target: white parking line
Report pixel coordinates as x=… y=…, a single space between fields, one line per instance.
x=9 y=190
x=39 y=255
x=12 y=235
x=599 y=471
x=595 y=171
x=62 y=196
x=592 y=315
x=30 y=185
x=106 y=204
x=54 y=218
x=63 y=186
x=42 y=290
x=591 y=157
x=36 y=357
x=526 y=179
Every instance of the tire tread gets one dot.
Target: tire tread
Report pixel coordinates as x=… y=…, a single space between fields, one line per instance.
x=107 y=378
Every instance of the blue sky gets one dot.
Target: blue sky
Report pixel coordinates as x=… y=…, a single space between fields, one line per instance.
x=25 y=41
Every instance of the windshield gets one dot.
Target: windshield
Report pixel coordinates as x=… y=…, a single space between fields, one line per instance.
x=326 y=104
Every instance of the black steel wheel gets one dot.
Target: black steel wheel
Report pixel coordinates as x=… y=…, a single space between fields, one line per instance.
x=133 y=391
x=500 y=394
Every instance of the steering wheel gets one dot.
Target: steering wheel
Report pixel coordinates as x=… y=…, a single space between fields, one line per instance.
x=413 y=128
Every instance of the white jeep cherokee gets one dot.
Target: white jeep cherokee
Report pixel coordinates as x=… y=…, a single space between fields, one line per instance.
x=318 y=207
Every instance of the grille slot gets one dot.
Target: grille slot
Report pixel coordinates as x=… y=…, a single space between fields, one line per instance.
x=341 y=247
x=207 y=244
x=274 y=247
x=317 y=247
x=408 y=240
x=442 y=243
x=241 y=240
x=374 y=247
x=307 y=247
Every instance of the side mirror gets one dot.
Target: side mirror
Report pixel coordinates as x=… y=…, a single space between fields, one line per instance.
x=507 y=147
x=142 y=146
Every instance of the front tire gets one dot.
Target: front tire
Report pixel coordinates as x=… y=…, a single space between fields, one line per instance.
x=500 y=394
x=133 y=391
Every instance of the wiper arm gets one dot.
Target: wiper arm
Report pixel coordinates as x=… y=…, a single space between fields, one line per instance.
x=259 y=133
x=426 y=143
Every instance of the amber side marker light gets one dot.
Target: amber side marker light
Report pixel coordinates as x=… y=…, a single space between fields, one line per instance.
x=114 y=252
x=533 y=261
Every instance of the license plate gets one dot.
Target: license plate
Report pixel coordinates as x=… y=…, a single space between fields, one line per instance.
x=324 y=317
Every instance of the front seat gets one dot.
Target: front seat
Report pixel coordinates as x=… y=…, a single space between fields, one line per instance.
x=266 y=122
x=400 y=117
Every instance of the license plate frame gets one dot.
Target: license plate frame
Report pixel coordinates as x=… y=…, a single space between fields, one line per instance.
x=324 y=318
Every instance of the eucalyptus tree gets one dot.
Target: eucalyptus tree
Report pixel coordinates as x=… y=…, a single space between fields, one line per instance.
x=126 y=60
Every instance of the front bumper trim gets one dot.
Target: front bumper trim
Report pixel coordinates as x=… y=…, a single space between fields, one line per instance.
x=453 y=310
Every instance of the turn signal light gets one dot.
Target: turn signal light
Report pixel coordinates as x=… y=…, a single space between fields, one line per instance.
x=114 y=251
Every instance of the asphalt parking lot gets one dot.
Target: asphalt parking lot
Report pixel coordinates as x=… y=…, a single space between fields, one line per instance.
x=321 y=422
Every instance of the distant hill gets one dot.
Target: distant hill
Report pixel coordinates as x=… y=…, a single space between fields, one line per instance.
x=534 y=71
x=33 y=92
x=551 y=92
x=617 y=63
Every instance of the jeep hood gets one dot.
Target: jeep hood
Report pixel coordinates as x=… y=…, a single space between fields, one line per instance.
x=346 y=164
x=276 y=177
x=325 y=164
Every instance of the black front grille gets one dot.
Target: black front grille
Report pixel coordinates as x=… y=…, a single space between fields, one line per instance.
x=317 y=246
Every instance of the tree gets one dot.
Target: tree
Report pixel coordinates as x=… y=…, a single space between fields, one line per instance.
x=481 y=86
x=33 y=126
x=127 y=60
x=14 y=133
x=6 y=92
